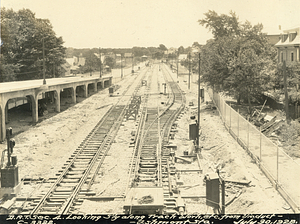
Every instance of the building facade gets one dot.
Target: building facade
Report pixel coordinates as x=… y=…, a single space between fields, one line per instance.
x=288 y=46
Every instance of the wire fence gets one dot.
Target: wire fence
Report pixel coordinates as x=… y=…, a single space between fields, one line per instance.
x=280 y=168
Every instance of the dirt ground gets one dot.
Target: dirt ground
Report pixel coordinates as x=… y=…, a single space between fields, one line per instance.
x=43 y=148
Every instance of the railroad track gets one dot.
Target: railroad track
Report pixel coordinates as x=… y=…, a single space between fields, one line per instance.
x=65 y=192
x=151 y=169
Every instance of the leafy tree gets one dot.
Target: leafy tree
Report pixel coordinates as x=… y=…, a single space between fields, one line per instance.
x=23 y=36
x=239 y=60
x=162 y=47
x=110 y=61
x=92 y=61
x=140 y=51
x=221 y=25
x=196 y=45
x=181 y=50
x=293 y=81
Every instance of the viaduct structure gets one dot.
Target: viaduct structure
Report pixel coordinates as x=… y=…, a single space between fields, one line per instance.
x=33 y=89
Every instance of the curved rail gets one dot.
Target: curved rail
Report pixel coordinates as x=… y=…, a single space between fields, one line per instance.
x=151 y=168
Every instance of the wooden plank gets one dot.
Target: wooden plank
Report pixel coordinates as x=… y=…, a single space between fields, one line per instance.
x=267 y=125
x=193 y=196
x=274 y=127
x=189 y=171
x=242 y=182
x=183 y=159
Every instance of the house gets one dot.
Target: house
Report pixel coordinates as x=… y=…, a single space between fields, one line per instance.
x=171 y=50
x=102 y=56
x=81 y=61
x=66 y=69
x=144 y=57
x=182 y=57
x=118 y=59
x=75 y=63
x=288 y=46
x=273 y=38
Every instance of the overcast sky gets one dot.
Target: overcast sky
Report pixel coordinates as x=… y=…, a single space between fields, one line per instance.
x=145 y=23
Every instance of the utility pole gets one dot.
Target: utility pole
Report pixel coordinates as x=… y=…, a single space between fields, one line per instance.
x=177 y=62
x=44 y=75
x=100 y=63
x=198 y=140
x=286 y=101
x=121 y=66
x=189 y=84
x=54 y=70
x=132 y=70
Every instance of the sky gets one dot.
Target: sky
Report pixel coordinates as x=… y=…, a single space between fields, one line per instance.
x=149 y=23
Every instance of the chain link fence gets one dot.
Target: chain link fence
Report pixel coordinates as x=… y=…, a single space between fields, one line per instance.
x=281 y=169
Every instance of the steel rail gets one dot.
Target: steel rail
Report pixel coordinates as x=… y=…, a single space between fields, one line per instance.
x=112 y=133
x=66 y=170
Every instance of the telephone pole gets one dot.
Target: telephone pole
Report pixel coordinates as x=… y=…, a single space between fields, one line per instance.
x=132 y=70
x=286 y=97
x=198 y=141
x=44 y=72
x=121 y=66
x=100 y=63
x=189 y=84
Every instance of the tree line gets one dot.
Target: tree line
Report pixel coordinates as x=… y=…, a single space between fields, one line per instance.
x=27 y=42
x=240 y=62
x=22 y=39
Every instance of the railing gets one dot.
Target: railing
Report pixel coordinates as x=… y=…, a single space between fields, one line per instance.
x=281 y=169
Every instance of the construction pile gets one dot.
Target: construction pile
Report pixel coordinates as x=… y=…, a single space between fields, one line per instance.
x=266 y=123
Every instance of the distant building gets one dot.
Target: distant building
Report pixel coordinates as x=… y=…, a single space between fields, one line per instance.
x=144 y=57
x=288 y=45
x=81 y=61
x=171 y=50
x=75 y=63
x=102 y=56
x=182 y=57
x=118 y=59
x=128 y=55
x=66 y=69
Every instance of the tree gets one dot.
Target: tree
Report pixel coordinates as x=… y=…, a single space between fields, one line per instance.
x=181 y=50
x=196 y=45
x=162 y=48
x=293 y=81
x=221 y=25
x=239 y=60
x=110 y=61
x=23 y=36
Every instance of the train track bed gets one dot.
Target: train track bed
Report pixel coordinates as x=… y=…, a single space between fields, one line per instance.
x=35 y=189
x=232 y=160
x=107 y=192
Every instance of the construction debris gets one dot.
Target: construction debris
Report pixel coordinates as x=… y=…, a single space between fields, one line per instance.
x=267 y=123
x=242 y=182
x=182 y=159
x=146 y=200
x=233 y=198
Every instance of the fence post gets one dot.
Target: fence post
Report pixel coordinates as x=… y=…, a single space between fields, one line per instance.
x=230 y=116
x=277 y=161
x=248 y=135
x=224 y=112
x=260 y=143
